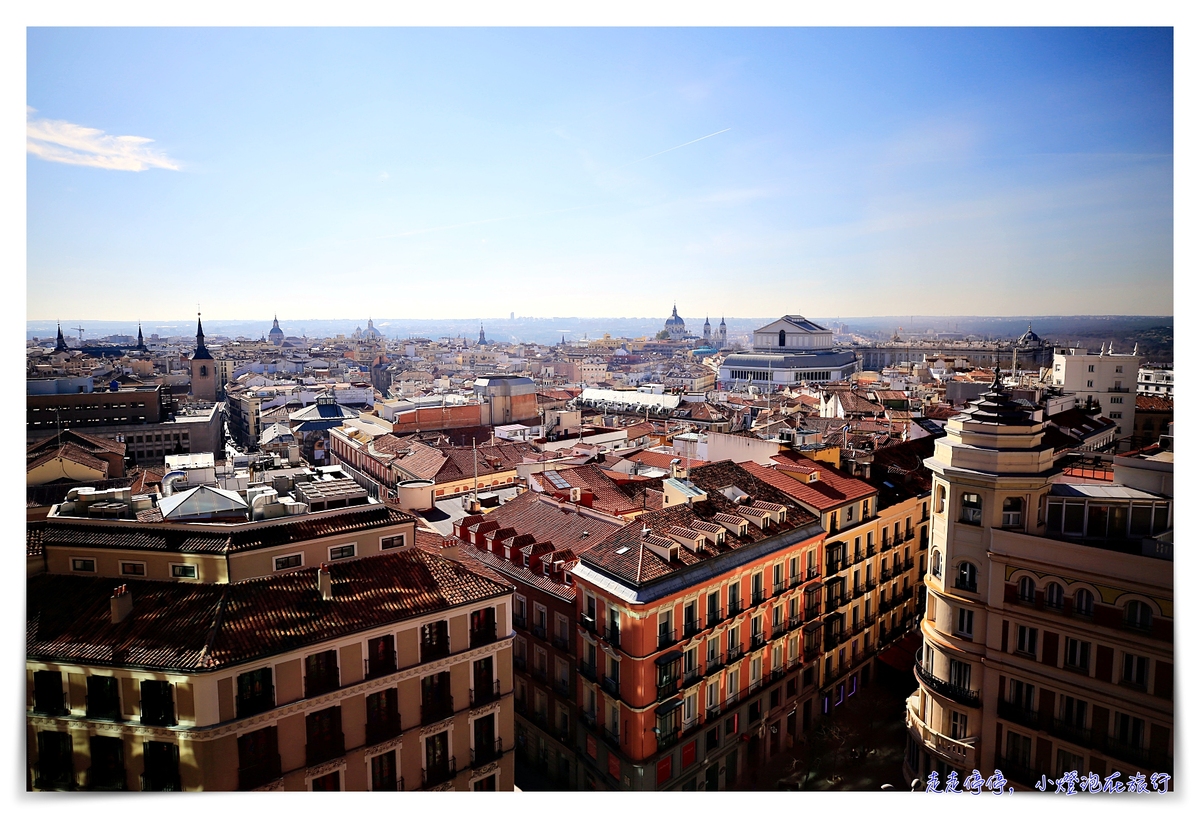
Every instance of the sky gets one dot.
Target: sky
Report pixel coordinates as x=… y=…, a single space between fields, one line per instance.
x=451 y=173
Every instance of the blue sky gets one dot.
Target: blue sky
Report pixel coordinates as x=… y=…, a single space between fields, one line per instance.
x=598 y=172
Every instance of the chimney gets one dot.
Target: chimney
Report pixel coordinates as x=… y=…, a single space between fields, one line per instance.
x=325 y=582
x=121 y=604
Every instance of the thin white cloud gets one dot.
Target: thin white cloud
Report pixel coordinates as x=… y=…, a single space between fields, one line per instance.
x=57 y=140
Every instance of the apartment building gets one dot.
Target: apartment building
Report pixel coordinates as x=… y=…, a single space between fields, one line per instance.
x=692 y=660
x=1103 y=380
x=534 y=542
x=874 y=557
x=204 y=644
x=362 y=675
x=1048 y=638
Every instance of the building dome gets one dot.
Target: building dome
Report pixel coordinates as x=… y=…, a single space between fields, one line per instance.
x=275 y=336
x=675 y=326
x=1030 y=338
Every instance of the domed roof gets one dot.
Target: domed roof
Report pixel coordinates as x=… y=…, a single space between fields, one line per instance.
x=1030 y=337
x=674 y=320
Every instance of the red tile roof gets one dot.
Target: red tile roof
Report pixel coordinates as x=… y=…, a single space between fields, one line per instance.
x=1155 y=403
x=192 y=627
x=606 y=495
x=832 y=490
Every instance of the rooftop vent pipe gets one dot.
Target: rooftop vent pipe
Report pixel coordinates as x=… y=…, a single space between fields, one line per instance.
x=325 y=582
x=121 y=604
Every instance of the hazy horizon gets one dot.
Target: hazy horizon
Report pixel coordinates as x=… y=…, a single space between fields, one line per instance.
x=440 y=171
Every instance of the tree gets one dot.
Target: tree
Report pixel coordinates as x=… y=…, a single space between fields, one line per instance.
x=662 y=335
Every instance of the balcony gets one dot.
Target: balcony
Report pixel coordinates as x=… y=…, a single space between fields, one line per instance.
x=519 y=663
x=489 y=752
x=885 y=573
x=666 y=638
x=734 y=653
x=794 y=622
x=714 y=618
x=611 y=686
x=962 y=695
x=667 y=689
x=870 y=549
x=588 y=671
x=588 y=622
x=713 y=664
x=778 y=630
x=163 y=781
x=564 y=688
x=871 y=584
x=1018 y=770
x=959 y=752
x=252 y=705
x=434 y=650
x=381 y=666
x=794 y=581
x=612 y=635
x=712 y=713
x=1017 y=713
x=485 y=634
x=318 y=752
x=691 y=627
x=754 y=686
x=434 y=710
x=538 y=631
x=1146 y=759
x=439 y=774
x=812 y=573
x=811 y=612
x=811 y=652
x=259 y=773
x=690 y=677
x=519 y=621
x=758 y=596
x=835 y=601
x=962 y=585
x=859 y=590
x=383 y=729
x=50 y=777
x=734 y=609
x=908 y=563
x=667 y=738
x=563 y=643
x=1072 y=733
x=482 y=694
x=757 y=640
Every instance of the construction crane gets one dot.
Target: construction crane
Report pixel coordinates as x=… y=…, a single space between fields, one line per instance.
x=80 y=329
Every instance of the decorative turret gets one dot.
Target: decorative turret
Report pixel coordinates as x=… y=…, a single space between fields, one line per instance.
x=482 y=337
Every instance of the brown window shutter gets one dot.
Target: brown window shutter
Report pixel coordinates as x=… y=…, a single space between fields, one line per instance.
x=1104 y=663
x=1164 y=679
x=1004 y=630
x=1010 y=592
x=1097 y=766
x=1050 y=648
x=1045 y=708
x=1160 y=739
x=1045 y=759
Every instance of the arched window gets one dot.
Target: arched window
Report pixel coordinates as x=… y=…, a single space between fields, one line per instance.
x=782 y=338
x=1137 y=614
x=203 y=371
x=972 y=509
x=935 y=565
x=1054 y=595
x=1013 y=506
x=966 y=579
x=1025 y=589
x=940 y=504
x=1083 y=602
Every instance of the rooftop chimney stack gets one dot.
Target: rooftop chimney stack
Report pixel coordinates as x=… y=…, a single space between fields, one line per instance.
x=325 y=582
x=121 y=604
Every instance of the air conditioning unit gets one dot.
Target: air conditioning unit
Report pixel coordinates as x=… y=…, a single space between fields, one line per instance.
x=576 y=494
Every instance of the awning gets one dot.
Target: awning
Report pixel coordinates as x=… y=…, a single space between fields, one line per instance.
x=900 y=655
x=669 y=656
x=668 y=707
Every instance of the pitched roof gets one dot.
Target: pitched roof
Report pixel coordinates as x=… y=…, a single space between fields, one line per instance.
x=606 y=495
x=1155 y=403
x=187 y=626
x=624 y=555
x=832 y=490
x=72 y=453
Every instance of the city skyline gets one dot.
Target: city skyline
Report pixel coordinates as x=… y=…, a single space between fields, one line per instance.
x=449 y=172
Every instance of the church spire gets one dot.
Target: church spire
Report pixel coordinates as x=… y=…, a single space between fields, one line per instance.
x=201 y=349
x=61 y=344
x=141 y=344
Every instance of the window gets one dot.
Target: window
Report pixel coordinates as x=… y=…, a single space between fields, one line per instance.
x=1137 y=615
x=103 y=700
x=1135 y=670
x=290 y=561
x=392 y=542
x=1013 y=506
x=1083 y=602
x=960 y=674
x=940 y=500
x=1119 y=369
x=255 y=692
x=435 y=640
x=1115 y=415
x=157 y=705
x=1090 y=384
x=935 y=565
x=1077 y=654
x=383 y=771
x=48 y=693
x=972 y=509
x=83 y=565
x=1116 y=399
x=1068 y=762
x=1025 y=591
x=1018 y=750
x=958 y=725
x=1129 y=730
x=1021 y=694
x=966 y=622
x=133 y=569
x=1054 y=595
x=320 y=673
x=966 y=580
x=1074 y=711
x=183 y=571
x=1026 y=640
x=341 y=552
x=1091 y=368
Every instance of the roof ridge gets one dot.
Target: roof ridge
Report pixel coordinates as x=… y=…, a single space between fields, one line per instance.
x=205 y=658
